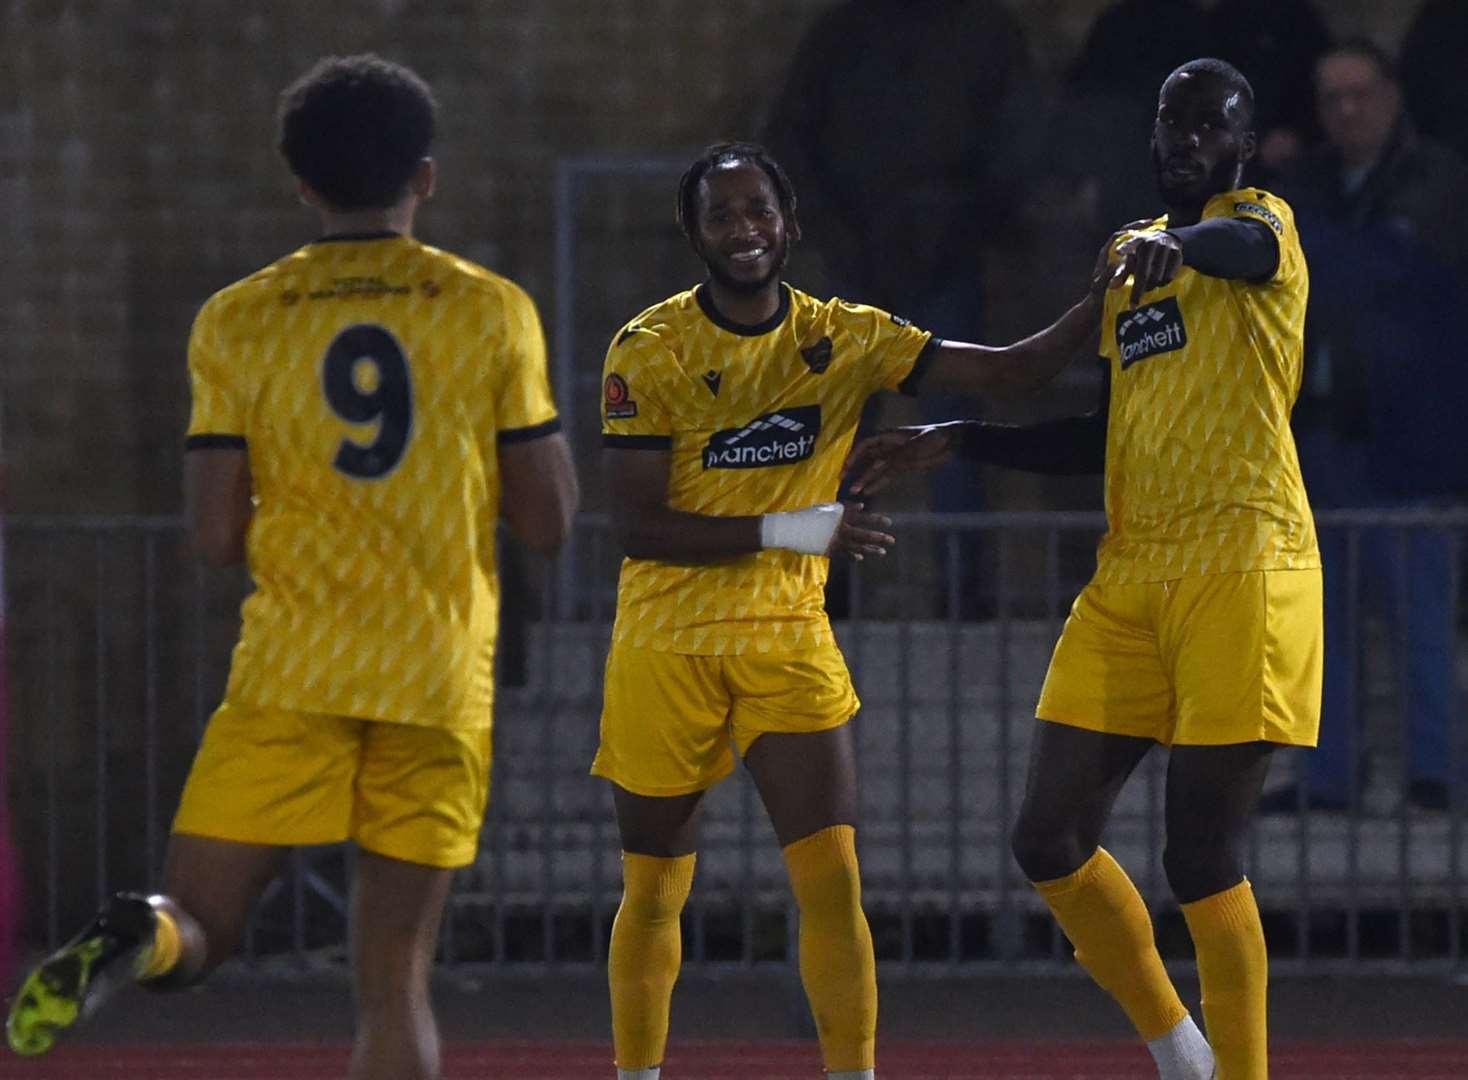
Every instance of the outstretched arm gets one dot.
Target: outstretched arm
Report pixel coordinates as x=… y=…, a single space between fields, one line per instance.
x=1074 y=445
x=961 y=367
x=1240 y=249
x=983 y=370
x=1071 y=446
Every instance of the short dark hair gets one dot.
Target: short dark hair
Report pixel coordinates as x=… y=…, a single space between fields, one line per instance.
x=1226 y=73
x=728 y=153
x=354 y=128
x=1366 y=49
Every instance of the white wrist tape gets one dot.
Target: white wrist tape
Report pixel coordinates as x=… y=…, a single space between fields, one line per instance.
x=807 y=531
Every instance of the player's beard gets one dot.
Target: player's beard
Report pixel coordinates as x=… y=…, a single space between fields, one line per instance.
x=749 y=286
x=1224 y=176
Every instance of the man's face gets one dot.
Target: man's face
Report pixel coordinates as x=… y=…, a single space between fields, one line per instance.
x=1358 y=106
x=1199 y=140
x=741 y=230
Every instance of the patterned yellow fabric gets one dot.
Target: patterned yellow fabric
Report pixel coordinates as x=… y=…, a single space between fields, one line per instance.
x=1201 y=471
x=757 y=419
x=371 y=380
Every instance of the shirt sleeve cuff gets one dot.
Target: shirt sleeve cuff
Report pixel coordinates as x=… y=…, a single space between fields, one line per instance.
x=637 y=442
x=214 y=442
x=920 y=365
x=527 y=434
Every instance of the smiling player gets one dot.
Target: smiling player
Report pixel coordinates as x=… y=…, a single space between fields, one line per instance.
x=727 y=414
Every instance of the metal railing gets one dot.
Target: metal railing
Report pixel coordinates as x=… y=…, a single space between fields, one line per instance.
x=119 y=646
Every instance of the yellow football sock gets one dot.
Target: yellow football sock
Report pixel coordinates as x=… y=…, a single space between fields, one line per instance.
x=836 y=962
x=167 y=947
x=644 y=956
x=1102 y=913
x=1233 y=968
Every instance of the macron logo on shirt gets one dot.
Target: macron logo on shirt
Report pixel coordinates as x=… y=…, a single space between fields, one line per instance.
x=777 y=438
x=1150 y=330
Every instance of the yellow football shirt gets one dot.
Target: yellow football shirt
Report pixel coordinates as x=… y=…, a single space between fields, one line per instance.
x=1201 y=471
x=756 y=419
x=371 y=381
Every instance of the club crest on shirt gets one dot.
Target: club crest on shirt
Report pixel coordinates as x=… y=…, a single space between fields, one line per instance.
x=712 y=379
x=1149 y=331
x=817 y=357
x=616 y=398
x=776 y=438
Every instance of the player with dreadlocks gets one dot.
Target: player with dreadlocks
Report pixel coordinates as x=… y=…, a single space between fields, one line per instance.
x=727 y=413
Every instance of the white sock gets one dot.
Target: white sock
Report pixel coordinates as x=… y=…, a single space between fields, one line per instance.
x=1183 y=1053
x=854 y=1074
x=640 y=1074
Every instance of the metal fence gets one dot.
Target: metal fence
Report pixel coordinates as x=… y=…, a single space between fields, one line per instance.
x=119 y=646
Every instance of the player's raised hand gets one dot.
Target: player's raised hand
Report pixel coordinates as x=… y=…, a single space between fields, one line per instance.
x=1110 y=270
x=875 y=460
x=1151 y=259
x=861 y=533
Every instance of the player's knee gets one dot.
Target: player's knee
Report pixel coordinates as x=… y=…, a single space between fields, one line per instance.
x=1043 y=850
x=1195 y=870
x=824 y=872
x=831 y=886
x=655 y=889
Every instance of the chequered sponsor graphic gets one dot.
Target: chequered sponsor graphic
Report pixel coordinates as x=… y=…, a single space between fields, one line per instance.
x=1148 y=331
x=780 y=438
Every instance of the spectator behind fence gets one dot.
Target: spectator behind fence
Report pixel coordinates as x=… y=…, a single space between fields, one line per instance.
x=901 y=125
x=1433 y=75
x=1380 y=213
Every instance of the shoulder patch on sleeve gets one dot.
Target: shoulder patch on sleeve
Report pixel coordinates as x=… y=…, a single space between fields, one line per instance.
x=617 y=398
x=1262 y=212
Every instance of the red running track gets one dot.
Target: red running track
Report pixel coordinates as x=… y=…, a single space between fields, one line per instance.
x=1060 y=1060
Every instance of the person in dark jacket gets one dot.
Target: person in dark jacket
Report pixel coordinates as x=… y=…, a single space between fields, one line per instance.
x=1380 y=211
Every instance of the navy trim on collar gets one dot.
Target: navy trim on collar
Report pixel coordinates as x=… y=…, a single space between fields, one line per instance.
x=701 y=294
x=334 y=238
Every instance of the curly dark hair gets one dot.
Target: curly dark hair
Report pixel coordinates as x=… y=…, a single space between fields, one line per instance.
x=354 y=129
x=725 y=154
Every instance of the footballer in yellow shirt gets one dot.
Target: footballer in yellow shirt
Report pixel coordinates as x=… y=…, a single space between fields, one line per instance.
x=1202 y=627
x=365 y=410
x=727 y=414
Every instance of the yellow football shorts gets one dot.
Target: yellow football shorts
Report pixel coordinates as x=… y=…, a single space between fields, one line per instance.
x=670 y=722
x=1204 y=661
x=273 y=776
